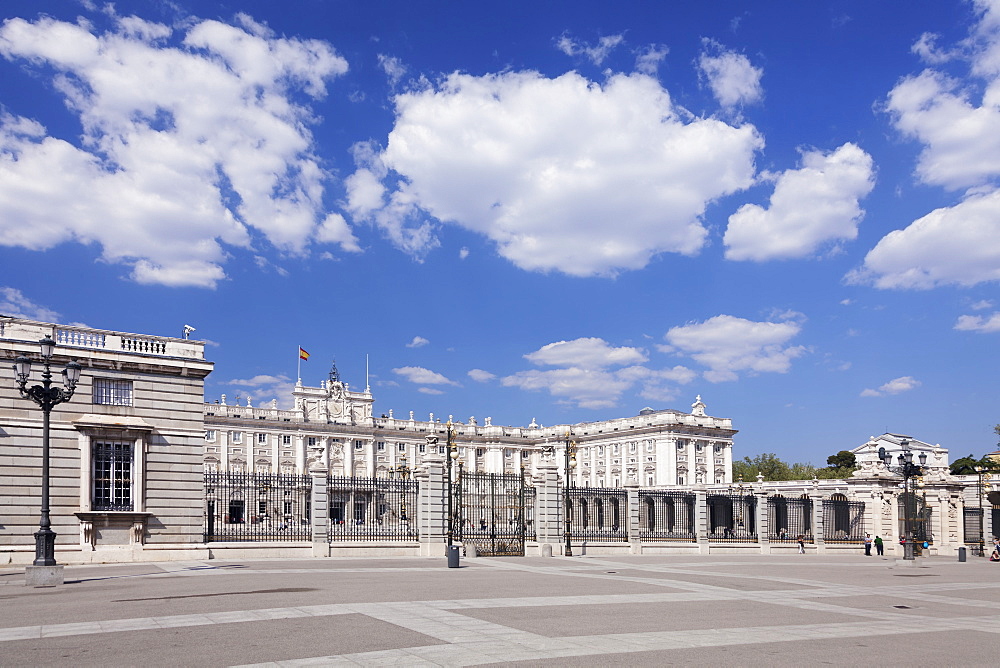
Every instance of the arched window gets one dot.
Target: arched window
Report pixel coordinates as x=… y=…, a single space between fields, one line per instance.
x=650 y=515
x=584 y=514
x=599 y=509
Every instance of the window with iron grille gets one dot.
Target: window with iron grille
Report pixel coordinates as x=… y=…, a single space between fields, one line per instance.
x=112 y=476
x=111 y=392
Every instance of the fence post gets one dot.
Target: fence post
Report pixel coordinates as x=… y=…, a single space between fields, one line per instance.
x=635 y=546
x=701 y=520
x=548 y=507
x=988 y=529
x=320 y=512
x=431 y=478
x=818 y=528
x=763 y=527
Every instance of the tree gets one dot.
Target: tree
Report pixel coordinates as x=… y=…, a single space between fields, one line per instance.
x=967 y=465
x=767 y=463
x=843 y=459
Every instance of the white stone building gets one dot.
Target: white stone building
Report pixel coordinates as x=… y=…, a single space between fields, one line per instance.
x=336 y=424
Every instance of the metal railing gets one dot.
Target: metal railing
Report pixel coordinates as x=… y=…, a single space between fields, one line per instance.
x=843 y=521
x=247 y=506
x=598 y=514
x=972 y=534
x=372 y=509
x=787 y=519
x=732 y=518
x=666 y=516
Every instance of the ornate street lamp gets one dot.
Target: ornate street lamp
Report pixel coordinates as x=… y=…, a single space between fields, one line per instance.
x=570 y=453
x=403 y=471
x=984 y=475
x=47 y=397
x=907 y=469
x=452 y=454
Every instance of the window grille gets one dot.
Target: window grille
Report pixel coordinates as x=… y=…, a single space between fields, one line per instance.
x=110 y=392
x=112 y=476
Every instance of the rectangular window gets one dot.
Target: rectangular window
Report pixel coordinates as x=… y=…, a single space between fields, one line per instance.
x=286 y=439
x=480 y=452
x=401 y=447
x=508 y=453
x=262 y=439
x=210 y=435
x=525 y=454
x=236 y=436
x=380 y=446
x=422 y=448
x=311 y=442
x=359 y=445
x=112 y=476
x=110 y=392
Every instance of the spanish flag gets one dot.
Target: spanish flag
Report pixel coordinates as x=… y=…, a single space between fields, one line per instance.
x=303 y=355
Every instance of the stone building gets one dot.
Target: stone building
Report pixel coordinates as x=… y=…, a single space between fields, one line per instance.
x=337 y=425
x=126 y=450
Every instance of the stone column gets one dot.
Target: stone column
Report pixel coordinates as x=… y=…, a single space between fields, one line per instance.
x=817 y=521
x=763 y=529
x=432 y=513
x=319 y=511
x=635 y=546
x=701 y=520
x=548 y=507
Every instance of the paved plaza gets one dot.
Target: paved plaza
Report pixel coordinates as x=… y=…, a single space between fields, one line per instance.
x=590 y=611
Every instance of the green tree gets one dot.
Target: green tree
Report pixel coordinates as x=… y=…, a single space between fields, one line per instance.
x=843 y=459
x=766 y=463
x=967 y=465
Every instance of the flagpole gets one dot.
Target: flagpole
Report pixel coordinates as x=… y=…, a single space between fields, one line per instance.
x=298 y=356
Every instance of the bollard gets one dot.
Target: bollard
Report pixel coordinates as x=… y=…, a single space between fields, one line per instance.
x=961 y=554
x=452 y=556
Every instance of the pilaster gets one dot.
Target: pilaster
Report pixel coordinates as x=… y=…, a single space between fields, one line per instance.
x=701 y=520
x=763 y=529
x=635 y=546
x=320 y=513
x=818 y=528
x=548 y=506
x=433 y=506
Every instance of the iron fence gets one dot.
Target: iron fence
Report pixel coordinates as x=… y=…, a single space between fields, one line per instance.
x=247 y=506
x=491 y=512
x=732 y=518
x=372 y=509
x=843 y=521
x=788 y=519
x=973 y=530
x=598 y=513
x=914 y=506
x=666 y=516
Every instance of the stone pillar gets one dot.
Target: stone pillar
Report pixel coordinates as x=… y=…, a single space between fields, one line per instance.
x=634 y=520
x=763 y=529
x=432 y=513
x=548 y=506
x=988 y=529
x=701 y=520
x=320 y=512
x=817 y=521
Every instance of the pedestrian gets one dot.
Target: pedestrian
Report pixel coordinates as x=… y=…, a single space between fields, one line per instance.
x=879 y=547
x=996 y=550
x=802 y=544
x=868 y=545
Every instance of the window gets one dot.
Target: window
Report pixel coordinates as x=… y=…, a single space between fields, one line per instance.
x=359 y=445
x=210 y=435
x=112 y=476
x=401 y=447
x=525 y=454
x=508 y=453
x=616 y=449
x=286 y=439
x=262 y=439
x=380 y=446
x=311 y=442
x=110 y=392
x=236 y=436
x=480 y=452
x=422 y=448
x=650 y=446
x=631 y=446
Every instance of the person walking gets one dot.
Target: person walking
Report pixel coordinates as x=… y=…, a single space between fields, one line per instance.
x=868 y=545
x=879 y=546
x=802 y=544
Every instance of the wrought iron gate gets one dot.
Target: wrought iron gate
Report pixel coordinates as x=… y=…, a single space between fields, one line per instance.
x=489 y=513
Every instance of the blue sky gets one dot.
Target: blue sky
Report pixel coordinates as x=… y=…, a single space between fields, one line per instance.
x=565 y=211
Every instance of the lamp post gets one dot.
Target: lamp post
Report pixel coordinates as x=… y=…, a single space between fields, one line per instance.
x=570 y=454
x=403 y=471
x=47 y=397
x=452 y=454
x=982 y=487
x=907 y=469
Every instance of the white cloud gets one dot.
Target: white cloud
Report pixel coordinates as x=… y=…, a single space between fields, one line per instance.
x=894 y=386
x=978 y=323
x=393 y=68
x=481 y=376
x=463 y=253
x=958 y=245
x=733 y=80
x=648 y=60
x=429 y=390
x=728 y=345
x=595 y=53
x=15 y=304
x=264 y=388
x=541 y=166
x=422 y=376
x=813 y=206
x=190 y=141
x=981 y=305
x=585 y=377
x=417 y=342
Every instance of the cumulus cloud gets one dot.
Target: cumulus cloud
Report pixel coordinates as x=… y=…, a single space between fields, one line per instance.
x=728 y=345
x=481 y=376
x=733 y=80
x=421 y=376
x=264 y=388
x=957 y=120
x=595 y=53
x=648 y=60
x=191 y=139
x=562 y=174
x=978 y=323
x=417 y=342
x=811 y=207
x=957 y=245
x=981 y=305
x=584 y=375
x=894 y=386
x=14 y=303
